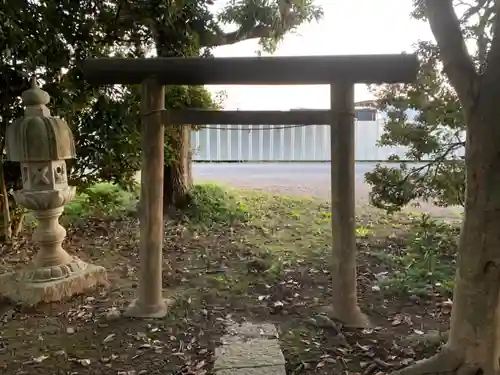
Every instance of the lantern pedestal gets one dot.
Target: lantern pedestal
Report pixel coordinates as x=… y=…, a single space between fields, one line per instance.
x=54 y=275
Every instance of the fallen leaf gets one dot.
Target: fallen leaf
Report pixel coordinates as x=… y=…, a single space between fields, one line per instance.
x=84 y=362
x=108 y=338
x=39 y=359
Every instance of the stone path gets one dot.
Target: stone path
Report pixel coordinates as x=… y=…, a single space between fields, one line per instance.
x=249 y=349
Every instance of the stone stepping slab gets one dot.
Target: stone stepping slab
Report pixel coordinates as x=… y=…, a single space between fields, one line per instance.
x=249 y=349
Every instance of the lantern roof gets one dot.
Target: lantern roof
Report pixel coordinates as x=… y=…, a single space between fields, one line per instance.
x=38 y=136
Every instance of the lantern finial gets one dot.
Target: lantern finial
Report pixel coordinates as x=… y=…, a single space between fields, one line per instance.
x=36 y=100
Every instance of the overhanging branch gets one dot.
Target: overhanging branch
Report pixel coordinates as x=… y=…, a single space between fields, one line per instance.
x=482 y=37
x=493 y=60
x=223 y=39
x=287 y=20
x=457 y=62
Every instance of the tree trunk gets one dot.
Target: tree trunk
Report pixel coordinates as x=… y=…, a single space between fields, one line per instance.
x=5 y=222
x=177 y=178
x=473 y=345
x=177 y=171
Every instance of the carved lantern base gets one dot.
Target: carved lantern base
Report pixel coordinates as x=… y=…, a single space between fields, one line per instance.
x=50 y=284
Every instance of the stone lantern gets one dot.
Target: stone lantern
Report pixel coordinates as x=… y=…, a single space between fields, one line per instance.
x=42 y=143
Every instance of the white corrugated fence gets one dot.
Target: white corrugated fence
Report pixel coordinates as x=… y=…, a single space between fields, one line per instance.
x=285 y=143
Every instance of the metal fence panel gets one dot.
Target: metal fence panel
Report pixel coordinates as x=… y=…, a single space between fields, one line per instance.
x=286 y=143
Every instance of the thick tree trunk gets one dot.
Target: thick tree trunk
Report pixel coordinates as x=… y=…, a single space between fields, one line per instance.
x=474 y=333
x=177 y=171
x=473 y=346
x=178 y=178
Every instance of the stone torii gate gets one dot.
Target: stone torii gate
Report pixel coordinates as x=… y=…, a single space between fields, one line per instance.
x=340 y=72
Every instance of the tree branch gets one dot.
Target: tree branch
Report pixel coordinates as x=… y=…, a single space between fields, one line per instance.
x=493 y=60
x=482 y=37
x=287 y=21
x=224 y=39
x=457 y=63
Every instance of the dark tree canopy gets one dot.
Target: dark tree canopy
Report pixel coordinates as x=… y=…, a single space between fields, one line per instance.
x=48 y=38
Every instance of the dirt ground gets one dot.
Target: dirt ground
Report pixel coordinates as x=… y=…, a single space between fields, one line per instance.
x=272 y=266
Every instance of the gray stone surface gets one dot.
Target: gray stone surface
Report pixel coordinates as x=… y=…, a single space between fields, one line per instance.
x=250 y=353
x=246 y=329
x=249 y=349
x=267 y=370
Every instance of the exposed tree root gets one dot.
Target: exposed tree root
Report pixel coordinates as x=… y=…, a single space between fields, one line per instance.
x=429 y=338
x=445 y=362
x=354 y=319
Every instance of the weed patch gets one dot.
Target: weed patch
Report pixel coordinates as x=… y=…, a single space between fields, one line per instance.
x=212 y=205
x=102 y=200
x=426 y=264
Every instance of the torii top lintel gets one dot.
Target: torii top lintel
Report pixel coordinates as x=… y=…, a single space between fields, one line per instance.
x=269 y=70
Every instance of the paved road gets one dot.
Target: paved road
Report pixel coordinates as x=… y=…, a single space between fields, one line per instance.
x=312 y=179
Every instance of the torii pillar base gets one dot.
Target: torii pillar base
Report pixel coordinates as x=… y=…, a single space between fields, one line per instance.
x=137 y=310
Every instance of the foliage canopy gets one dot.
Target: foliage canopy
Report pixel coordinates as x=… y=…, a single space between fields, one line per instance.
x=47 y=39
x=428 y=119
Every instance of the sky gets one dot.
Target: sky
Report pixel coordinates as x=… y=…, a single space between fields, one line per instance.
x=348 y=27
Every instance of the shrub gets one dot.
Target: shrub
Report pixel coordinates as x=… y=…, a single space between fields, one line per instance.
x=103 y=199
x=428 y=265
x=212 y=205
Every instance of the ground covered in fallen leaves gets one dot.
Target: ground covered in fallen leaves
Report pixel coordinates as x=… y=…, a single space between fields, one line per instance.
x=241 y=255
